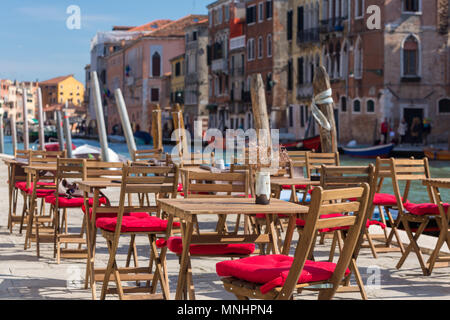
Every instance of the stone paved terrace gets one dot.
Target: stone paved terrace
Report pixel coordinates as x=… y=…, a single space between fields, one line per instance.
x=23 y=276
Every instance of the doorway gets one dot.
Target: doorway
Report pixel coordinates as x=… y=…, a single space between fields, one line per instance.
x=409 y=114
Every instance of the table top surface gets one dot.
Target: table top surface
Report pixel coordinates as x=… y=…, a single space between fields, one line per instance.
x=218 y=205
x=15 y=161
x=437 y=182
x=99 y=184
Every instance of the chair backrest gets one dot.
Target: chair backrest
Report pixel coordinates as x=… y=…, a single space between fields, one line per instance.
x=74 y=169
x=138 y=179
x=349 y=200
x=314 y=161
x=409 y=170
x=207 y=184
x=335 y=177
x=21 y=154
x=100 y=170
x=39 y=157
x=382 y=171
x=143 y=155
x=297 y=159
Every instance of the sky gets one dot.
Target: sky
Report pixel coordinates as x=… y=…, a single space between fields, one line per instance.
x=36 y=44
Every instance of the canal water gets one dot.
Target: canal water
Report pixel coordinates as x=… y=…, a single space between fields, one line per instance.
x=417 y=194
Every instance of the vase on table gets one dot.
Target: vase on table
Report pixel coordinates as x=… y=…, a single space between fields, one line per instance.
x=262 y=188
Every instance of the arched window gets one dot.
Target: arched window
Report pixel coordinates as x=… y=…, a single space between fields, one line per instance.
x=358 y=59
x=311 y=69
x=343 y=104
x=269 y=45
x=444 y=106
x=337 y=59
x=411 y=57
x=356 y=106
x=370 y=106
x=156 y=65
x=344 y=60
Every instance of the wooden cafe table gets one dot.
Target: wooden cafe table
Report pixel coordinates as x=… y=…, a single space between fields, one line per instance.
x=95 y=187
x=444 y=235
x=187 y=210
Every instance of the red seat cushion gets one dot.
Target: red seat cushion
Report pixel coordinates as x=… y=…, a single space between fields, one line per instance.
x=41 y=193
x=384 y=199
x=135 y=224
x=423 y=209
x=175 y=245
x=22 y=185
x=297 y=186
x=75 y=202
x=272 y=270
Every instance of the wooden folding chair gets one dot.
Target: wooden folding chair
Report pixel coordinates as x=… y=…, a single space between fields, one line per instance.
x=408 y=171
x=385 y=203
x=106 y=171
x=17 y=184
x=129 y=220
x=36 y=158
x=338 y=177
x=71 y=170
x=39 y=186
x=444 y=234
x=314 y=162
x=207 y=185
x=282 y=274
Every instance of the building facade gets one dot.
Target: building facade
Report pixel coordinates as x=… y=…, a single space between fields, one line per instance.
x=140 y=69
x=391 y=73
x=267 y=54
x=196 y=75
x=303 y=20
x=61 y=89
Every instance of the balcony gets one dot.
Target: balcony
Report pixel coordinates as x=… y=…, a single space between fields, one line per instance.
x=237 y=43
x=305 y=91
x=219 y=66
x=308 y=36
x=335 y=24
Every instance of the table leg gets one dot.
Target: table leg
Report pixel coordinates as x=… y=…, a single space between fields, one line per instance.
x=289 y=234
x=186 y=229
x=270 y=229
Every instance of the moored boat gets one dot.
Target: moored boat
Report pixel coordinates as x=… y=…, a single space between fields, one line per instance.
x=312 y=143
x=382 y=150
x=437 y=154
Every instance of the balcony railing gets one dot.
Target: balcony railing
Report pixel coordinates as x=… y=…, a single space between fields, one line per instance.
x=308 y=36
x=237 y=43
x=335 y=24
x=305 y=91
x=219 y=65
